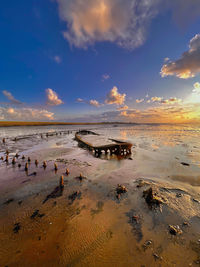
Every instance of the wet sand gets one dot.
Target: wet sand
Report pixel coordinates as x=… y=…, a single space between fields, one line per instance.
x=87 y=223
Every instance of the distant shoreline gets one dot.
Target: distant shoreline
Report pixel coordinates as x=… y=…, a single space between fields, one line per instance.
x=26 y=123
x=32 y=123
x=37 y=123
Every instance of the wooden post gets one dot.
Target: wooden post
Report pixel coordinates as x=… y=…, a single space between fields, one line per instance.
x=26 y=167
x=61 y=182
x=55 y=167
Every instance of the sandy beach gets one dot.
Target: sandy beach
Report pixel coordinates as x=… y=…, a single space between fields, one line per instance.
x=91 y=221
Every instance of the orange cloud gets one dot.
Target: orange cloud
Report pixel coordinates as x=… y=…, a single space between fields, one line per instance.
x=52 y=98
x=25 y=114
x=181 y=113
x=172 y=100
x=156 y=99
x=139 y=100
x=94 y=103
x=188 y=65
x=123 y=108
x=113 y=97
x=160 y=100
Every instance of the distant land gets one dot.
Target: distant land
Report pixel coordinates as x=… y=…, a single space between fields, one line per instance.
x=36 y=123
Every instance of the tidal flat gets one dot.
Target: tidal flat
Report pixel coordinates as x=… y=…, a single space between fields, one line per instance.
x=143 y=210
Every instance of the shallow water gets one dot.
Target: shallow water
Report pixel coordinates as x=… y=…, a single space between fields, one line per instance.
x=160 y=148
x=98 y=229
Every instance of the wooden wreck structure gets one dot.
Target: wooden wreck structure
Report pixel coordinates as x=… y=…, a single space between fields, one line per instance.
x=99 y=144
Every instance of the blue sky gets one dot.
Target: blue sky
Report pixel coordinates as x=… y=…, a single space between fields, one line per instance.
x=35 y=56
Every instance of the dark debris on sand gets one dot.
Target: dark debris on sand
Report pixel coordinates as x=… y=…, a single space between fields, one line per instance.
x=17 y=227
x=185 y=164
x=147 y=244
x=37 y=214
x=8 y=201
x=74 y=196
x=135 y=221
x=57 y=192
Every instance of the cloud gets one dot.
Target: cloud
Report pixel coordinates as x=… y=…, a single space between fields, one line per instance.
x=95 y=103
x=80 y=100
x=164 y=114
x=178 y=113
x=188 y=65
x=11 y=97
x=139 y=100
x=52 y=98
x=160 y=100
x=105 y=77
x=132 y=113
x=196 y=89
x=171 y=100
x=113 y=97
x=25 y=114
x=124 y=22
x=123 y=108
x=57 y=59
x=166 y=59
x=156 y=99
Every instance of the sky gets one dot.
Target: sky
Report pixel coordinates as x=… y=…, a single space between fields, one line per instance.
x=100 y=61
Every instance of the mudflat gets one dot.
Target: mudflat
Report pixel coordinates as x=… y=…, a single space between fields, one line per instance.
x=139 y=211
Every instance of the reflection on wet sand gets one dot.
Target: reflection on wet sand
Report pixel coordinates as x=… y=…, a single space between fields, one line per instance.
x=140 y=212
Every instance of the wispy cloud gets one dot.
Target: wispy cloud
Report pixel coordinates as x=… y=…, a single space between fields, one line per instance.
x=105 y=77
x=57 y=59
x=52 y=98
x=123 y=108
x=171 y=100
x=139 y=100
x=11 y=98
x=156 y=99
x=113 y=97
x=196 y=88
x=94 y=103
x=124 y=22
x=91 y=102
x=161 y=100
x=188 y=65
x=80 y=100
